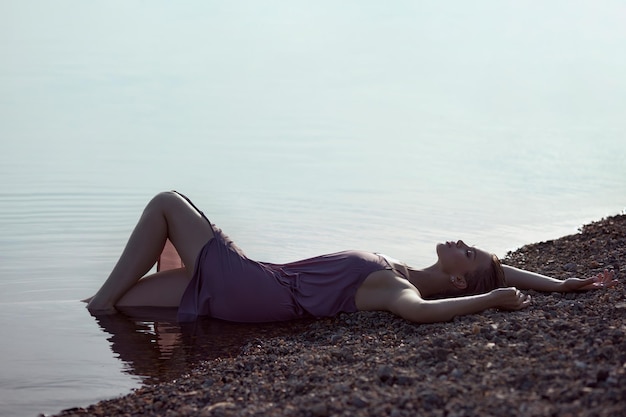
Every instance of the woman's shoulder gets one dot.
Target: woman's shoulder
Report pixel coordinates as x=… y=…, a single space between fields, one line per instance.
x=379 y=288
x=387 y=279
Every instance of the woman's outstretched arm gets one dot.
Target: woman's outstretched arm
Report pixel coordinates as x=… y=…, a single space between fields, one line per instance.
x=411 y=306
x=527 y=280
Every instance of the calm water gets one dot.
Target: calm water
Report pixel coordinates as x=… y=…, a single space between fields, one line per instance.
x=299 y=128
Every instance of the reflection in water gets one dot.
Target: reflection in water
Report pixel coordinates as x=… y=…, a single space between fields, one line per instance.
x=156 y=348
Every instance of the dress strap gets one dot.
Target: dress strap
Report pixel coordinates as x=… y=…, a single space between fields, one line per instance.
x=392 y=265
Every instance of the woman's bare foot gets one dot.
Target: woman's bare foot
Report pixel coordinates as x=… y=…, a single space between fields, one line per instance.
x=99 y=308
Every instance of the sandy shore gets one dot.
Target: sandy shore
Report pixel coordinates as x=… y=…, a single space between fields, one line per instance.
x=564 y=356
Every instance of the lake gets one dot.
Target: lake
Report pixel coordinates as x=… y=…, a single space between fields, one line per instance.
x=299 y=128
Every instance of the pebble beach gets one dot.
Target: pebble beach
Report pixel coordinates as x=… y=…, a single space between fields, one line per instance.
x=563 y=356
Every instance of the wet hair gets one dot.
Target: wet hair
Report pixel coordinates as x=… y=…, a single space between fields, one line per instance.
x=479 y=282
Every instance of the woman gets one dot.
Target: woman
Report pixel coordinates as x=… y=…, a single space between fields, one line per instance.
x=225 y=284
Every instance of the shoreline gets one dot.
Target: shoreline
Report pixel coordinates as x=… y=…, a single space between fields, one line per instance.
x=563 y=356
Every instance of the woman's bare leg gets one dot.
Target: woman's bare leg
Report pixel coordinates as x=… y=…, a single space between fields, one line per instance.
x=162 y=289
x=167 y=215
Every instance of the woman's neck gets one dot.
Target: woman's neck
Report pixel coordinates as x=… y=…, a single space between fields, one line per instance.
x=428 y=281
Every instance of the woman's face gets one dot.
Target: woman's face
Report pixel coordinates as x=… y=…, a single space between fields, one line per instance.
x=458 y=259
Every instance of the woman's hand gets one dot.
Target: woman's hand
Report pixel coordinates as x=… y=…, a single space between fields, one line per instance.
x=604 y=279
x=510 y=298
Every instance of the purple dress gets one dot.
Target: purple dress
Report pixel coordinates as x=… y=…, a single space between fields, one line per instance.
x=229 y=286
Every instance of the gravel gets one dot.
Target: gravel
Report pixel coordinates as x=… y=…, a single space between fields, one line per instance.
x=563 y=356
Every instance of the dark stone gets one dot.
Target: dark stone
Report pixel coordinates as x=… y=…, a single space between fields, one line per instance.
x=602 y=375
x=359 y=401
x=570 y=267
x=384 y=373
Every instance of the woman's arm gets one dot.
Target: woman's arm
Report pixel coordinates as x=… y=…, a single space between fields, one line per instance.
x=527 y=280
x=411 y=306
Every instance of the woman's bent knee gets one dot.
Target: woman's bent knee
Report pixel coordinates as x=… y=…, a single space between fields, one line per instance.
x=168 y=202
x=187 y=228
x=163 y=199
